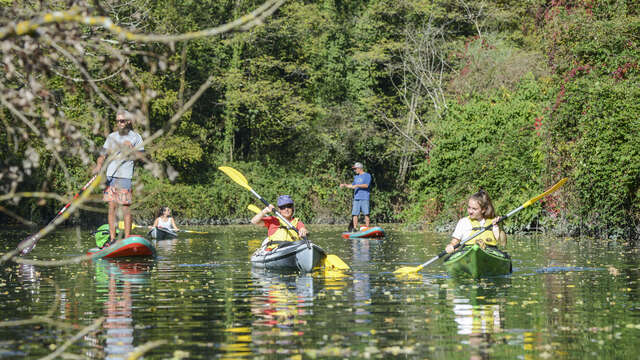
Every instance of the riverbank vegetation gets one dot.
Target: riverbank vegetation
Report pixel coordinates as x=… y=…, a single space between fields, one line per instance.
x=437 y=99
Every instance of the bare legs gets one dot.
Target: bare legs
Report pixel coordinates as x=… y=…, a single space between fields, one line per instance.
x=126 y=212
x=355 y=222
x=112 y=220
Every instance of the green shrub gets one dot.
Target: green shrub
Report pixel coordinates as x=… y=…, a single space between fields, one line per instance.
x=488 y=143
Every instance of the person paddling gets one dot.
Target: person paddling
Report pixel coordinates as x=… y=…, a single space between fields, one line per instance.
x=481 y=213
x=120 y=171
x=361 y=186
x=277 y=231
x=164 y=220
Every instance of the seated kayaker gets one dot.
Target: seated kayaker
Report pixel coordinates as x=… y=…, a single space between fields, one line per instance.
x=277 y=231
x=164 y=220
x=481 y=214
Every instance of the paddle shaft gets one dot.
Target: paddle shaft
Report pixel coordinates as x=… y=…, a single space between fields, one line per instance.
x=30 y=242
x=133 y=226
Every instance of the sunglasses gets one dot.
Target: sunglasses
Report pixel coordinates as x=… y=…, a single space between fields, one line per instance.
x=121 y=120
x=288 y=206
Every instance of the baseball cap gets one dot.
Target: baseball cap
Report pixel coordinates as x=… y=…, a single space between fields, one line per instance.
x=357 y=165
x=284 y=200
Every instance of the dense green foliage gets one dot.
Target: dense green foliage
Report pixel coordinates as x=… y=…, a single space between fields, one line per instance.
x=532 y=92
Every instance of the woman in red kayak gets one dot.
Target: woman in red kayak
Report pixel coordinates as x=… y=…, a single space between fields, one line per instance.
x=481 y=213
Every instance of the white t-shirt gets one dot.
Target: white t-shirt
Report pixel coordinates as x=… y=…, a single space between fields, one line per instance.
x=464 y=228
x=165 y=224
x=116 y=143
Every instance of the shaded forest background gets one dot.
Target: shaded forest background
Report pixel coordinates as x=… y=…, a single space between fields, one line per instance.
x=436 y=98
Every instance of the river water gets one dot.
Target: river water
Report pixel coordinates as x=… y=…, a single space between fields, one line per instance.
x=201 y=299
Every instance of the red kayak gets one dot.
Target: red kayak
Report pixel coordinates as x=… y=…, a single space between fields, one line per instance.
x=131 y=246
x=365 y=232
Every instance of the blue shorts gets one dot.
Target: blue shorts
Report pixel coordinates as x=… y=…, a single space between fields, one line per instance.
x=119 y=183
x=360 y=207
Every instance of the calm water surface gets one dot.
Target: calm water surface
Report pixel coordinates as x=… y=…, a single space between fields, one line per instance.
x=200 y=298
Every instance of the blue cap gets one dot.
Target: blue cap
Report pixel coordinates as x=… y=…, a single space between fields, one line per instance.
x=284 y=200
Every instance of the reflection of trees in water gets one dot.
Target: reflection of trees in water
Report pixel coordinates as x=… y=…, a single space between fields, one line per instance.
x=57 y=320
x=631 y=272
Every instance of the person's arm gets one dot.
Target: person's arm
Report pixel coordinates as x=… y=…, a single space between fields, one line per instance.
x=498 y=233
x=137 y=154
x=302 y=230
x=458 y=233
x=451 y=247
x=257 y=219
x=155 y=223
x=98 y=166
x=173 y=223
x=102 y=156
x=353 y=186
x=365 y=182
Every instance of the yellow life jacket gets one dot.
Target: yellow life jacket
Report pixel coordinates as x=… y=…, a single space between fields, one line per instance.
x=487 y=236
x=284 y=234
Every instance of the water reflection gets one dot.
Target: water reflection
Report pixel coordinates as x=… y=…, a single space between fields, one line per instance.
x=361 y=280
x=204 y=299
x=280 y=306
x=282 y=297
x=118 y=280
x=478 y=313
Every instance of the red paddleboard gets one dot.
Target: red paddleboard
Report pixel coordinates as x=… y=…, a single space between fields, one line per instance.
x=131 y=246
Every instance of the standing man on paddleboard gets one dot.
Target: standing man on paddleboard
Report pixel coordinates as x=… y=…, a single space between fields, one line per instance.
x=362 y=186
x=120 y=170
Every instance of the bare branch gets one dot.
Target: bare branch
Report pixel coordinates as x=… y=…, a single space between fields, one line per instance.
x=83 y=71
x=93 y=327
x=244 y=23
x=142 y=349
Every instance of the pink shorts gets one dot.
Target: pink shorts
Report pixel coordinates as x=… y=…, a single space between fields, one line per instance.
x=118 y=190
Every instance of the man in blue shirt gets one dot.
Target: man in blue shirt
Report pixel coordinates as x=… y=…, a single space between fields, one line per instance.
x=361 y=185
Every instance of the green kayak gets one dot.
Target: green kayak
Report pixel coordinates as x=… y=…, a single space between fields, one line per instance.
x=473 y=261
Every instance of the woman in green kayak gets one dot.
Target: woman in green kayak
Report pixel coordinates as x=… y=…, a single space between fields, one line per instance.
x=481 y=213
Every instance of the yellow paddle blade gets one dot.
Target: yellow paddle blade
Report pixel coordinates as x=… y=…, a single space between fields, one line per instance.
x=121 y=225
x=254 y=208
x=236 y=176
x=552 y=189
x=406 y=270
x=333 y=261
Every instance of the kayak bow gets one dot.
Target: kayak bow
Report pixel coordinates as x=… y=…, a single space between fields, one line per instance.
x=477 y=262
x=290 y=256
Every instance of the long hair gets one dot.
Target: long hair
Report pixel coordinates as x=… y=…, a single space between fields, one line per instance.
x=484 y=200
x=162 y=210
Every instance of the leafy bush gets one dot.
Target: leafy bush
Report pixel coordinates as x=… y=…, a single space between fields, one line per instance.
x=488 y=143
